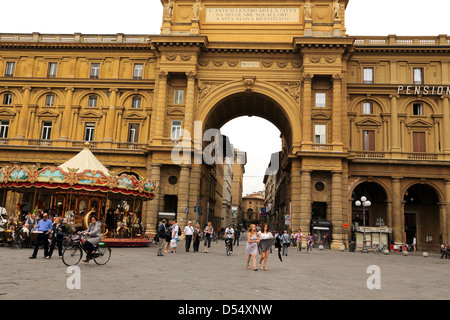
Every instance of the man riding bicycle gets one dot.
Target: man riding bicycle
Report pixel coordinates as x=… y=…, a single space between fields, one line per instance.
x=94 y=237
x=228 y=236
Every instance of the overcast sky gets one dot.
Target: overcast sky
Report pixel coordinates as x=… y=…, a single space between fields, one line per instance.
x=257 y=137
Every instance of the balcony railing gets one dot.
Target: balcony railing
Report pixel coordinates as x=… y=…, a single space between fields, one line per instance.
x=394 y=40
x=401 y=156
x=74 y=38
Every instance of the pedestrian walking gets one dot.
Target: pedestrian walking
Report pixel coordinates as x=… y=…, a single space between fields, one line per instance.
x=43 y=228
x=285 y=241
x=196 y=237
x=309 y=243
x=161 y=236
x=299 y=239
x=444 y=251
x=266 y=241
x=237 y=234
x=57 y=236
x=188 y=233
x=207 y=235
x=174 y=241
x=168 y=238
x=252 y=246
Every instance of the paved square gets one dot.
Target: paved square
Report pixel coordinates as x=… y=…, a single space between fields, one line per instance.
x=137 y=273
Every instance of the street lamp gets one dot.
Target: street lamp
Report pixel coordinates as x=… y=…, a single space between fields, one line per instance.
x=364 y=203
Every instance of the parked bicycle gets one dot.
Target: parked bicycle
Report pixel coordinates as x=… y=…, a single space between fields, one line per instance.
x=73 y=253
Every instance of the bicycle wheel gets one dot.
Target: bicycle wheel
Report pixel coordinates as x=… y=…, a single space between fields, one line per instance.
x=102 y=255
x=72 y=255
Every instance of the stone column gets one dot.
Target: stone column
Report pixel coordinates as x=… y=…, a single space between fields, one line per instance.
x=306 y=117
x=194 y=191
x=183 y=196
x=161 y=106
x=110 y=117
x=446 y=123
x=395 y=132
x=305 y=201
x=447 y=215
x=296 y=196
x=66 y=116
x=337 y=109
x=336 y=209
x=189 y=114
x=153 y=206
x=397 y=198
x=23 y=120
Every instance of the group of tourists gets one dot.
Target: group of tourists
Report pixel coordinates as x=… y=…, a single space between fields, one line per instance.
x=169 y=232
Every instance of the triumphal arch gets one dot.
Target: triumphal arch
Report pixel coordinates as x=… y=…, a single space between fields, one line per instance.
x=357 y=115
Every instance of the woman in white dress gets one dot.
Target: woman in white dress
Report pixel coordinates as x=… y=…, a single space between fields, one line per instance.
x=266 y=240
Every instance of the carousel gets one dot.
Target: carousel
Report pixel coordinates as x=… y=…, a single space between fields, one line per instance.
x=82 y=187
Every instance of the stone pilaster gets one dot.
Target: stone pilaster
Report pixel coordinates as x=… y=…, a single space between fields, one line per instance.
x=336 y=209
x=151 y=218
x=397 y=198
x=66 y=115
x=337 y=109
x=111 y=115
x=23 y=120
x=306 y=115
x=395 y=132
x=183 y=196
x=305 y=202
x=296 y=202
x=161 y=106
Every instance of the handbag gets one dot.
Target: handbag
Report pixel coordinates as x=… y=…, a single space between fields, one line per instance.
x=173 y=243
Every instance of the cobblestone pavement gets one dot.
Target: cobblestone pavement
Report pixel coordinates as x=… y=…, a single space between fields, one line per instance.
x=137 y=273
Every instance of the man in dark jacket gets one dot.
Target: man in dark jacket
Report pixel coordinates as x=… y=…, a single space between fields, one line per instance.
x=162 y=237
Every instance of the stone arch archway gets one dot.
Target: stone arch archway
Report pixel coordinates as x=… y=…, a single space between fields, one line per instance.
x=422 y=219
x=264 y=100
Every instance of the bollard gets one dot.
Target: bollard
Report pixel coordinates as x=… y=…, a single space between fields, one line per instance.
x=425 y=254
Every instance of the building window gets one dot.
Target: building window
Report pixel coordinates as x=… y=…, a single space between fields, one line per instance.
x=368 y=75
x=7 y=99
x=368 y=140
x=417 y=109
x=367 y=108
x=46 y=130
x=49 y=100
x=52 y=68
x=176 y=129
x=178 y=96
x=10 y=66
x=138 y=71
x=321 y=100
x=419 y=142
x=4 y=126
x=320 y=133
x=418 y=75
x=89 y=131
x=92 y=101
x=136 y=102
x=133 y=132
x=95 y=70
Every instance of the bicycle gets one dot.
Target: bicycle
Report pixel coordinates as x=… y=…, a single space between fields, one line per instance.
x=228 y=245
x=73 y=253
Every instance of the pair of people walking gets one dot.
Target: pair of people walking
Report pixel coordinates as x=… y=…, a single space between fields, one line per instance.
x=264 y=239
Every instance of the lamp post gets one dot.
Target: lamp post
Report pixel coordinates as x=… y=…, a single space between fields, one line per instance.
x=364 y=203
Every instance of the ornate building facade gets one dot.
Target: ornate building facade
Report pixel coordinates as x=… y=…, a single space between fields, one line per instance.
x=358 y=115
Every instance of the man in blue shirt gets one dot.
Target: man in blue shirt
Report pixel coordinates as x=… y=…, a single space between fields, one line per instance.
x=44 y=227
